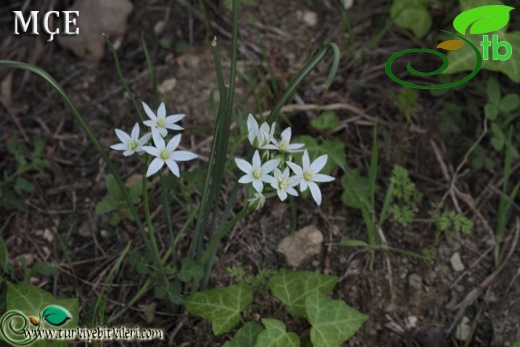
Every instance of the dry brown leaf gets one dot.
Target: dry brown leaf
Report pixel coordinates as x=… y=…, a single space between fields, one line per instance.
x=451 y=45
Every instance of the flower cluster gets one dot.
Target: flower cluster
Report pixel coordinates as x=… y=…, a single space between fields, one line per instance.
x=276 y=168
x=164 y=153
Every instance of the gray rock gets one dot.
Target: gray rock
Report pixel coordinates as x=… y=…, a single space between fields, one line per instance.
x=415 y=281
x=456 y=262
x=301 y=246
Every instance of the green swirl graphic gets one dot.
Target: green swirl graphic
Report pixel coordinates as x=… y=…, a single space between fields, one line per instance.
x=445 y=63
x=12 y=321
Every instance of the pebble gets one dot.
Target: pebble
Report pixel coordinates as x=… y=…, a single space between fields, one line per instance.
x=463 y=330
x=456 y=262
x=415 y=281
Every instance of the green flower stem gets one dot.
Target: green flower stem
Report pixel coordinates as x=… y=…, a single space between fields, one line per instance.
x=122 y=79
x=220 y=235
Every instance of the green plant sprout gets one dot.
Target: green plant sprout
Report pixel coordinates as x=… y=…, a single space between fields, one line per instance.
x=13 y=186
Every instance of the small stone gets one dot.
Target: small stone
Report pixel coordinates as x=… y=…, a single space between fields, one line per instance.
x=159 y=27
x=410 y=322
x=459 y=288
x=104 y=233
x=315 y=263
x=308 y=17
x=84 y=230
x=456 y=262
x=453 y=301
x=347 y=4
x=167 y=85
x=47 y=235
x=301 y=246
x=463 y=330
x=415 y=281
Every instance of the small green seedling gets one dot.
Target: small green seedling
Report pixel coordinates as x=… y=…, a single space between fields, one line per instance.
x=13 y=186
x=114 y=202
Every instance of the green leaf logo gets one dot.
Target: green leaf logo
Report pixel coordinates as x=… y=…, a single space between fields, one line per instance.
x=483 y=19
x=56 y=315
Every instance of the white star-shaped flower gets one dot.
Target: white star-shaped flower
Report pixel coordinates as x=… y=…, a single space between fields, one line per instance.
x=259 y=136
x=256 y=173
x=131 y=143
x=284 y=145
x=166 y=154
x=309 y=174
x=160 y=121
x=284 y=184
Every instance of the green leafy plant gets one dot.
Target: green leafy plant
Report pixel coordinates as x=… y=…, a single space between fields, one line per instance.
x=406 y=197
x=13 y=186
x=256 y=282
x=501 y=111
x=413 y=15
x=452 y=221
x=328 y=120
x=407 y=102
x=114 y=202
x=304 y=294
x=37 y=309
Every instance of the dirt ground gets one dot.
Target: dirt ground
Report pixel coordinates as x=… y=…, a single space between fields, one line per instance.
x=410 y=302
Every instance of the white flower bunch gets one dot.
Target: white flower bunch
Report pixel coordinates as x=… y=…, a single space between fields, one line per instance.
x=276 y=168
x=164 y=153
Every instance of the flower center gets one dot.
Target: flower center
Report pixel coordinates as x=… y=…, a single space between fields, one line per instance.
x=257 y=174
x=132 y=145
x=165 y=154
x=161 y=123
x=283 y=145
x=307 y=176
x=282 y=184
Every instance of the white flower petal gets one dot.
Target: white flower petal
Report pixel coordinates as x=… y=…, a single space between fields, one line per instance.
x=161 y=111
x=157 y=139
x=149 y=123
x=322 y=178
x=252 y=125
x=292 y=191
x=244 y=165
x=319 y=163
x=282 y=194
x=119 y=147
x=183 y=156
x=173 y=127
x=305 y=160
x=258 y=185
x=149 y=112
x=256 y=160
x=155 y=166
x=270 y=165
x=135 y=132
x=173 y=143
x=128 y=153
x=122 y=136
x=315 y=192
x=269 y=179
x=245 y=179
x=295 y=167
x=174 y=118
x=286 y=134
x=146 y=137
x=152 y=150
x=303 y=185
x=174 y=168
x=163 y=131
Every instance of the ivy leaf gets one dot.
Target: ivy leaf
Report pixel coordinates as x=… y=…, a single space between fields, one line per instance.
x=464 y=59
x=333 y=321
x=482 y=19
x=56 y=315
x=32 y=301
x=291 y=288
x=510 y=102
x=413 y=15
x=245 y=336
x=275 y=335
x=326 y=121
x=222 y=306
